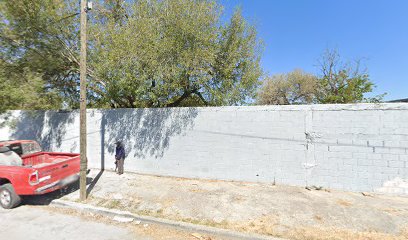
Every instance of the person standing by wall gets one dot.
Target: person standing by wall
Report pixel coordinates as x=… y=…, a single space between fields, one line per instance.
x=120 y=156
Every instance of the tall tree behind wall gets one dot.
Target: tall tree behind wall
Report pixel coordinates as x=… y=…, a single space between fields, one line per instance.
x=175 y=53
x=343 y=82
x=142 y=53
x=39 y=46
x=296 y=87
x=337 y=81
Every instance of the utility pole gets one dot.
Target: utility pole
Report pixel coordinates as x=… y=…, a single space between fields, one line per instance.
x=82 y=111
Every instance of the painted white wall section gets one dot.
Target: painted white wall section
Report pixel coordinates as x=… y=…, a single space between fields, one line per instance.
x=357 y=147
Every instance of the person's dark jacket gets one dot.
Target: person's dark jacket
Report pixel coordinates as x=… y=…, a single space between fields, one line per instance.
x=120 y=152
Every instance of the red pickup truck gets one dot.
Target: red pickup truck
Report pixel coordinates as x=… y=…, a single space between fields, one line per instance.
x=26 y=170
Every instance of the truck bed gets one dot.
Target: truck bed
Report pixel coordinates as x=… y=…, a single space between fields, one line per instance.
x=53 y=171
x=42 y=159
x=36 y=171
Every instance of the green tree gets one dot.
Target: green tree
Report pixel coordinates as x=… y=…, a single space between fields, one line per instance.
x=296 y=87
x=40 y=39
x=24 y=90
x=343 y=82
x=142 y=53
x=174 y=53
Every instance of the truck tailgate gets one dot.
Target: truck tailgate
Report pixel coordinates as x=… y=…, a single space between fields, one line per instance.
x=55 y=172
x=59 y=167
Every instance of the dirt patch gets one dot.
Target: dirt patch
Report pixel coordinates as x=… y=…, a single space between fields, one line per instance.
x=197 y=190
x=344 y=203
x=276 y=210
x=312 y=233
x=318 y=218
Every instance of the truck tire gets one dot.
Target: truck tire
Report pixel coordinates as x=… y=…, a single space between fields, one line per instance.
x=8 y=197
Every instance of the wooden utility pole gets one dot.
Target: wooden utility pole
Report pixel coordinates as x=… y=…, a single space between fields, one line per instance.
x=82 y=115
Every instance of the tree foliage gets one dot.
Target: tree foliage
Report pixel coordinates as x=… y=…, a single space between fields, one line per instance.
x=39 y=39
x=296 y=87
x=343 y=82
x=173 y=53
x=336 y=82
x=24 y=90
x=141 y=53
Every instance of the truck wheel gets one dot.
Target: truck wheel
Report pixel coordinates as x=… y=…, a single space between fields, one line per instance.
x=8 y=198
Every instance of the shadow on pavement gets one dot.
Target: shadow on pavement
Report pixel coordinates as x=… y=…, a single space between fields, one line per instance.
x=45 y=199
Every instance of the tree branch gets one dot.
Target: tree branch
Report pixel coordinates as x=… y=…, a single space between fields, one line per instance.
x=201 y=97
x=176 y=103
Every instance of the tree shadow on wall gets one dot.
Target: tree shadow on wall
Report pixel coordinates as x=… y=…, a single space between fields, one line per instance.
x=146 y=132
x=46 y=127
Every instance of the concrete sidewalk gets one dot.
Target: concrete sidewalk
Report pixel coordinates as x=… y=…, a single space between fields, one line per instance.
x=281 y=211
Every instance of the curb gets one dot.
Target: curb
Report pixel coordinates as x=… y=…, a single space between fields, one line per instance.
x=161 y=221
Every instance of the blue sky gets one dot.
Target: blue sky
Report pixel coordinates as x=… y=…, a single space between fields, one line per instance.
x=296 y=32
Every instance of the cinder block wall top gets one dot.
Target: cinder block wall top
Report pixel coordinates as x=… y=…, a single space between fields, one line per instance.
x=357 y=147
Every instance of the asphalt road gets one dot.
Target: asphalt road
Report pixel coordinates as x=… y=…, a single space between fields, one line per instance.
x=33 y=223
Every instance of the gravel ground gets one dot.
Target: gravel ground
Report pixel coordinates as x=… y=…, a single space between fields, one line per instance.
x=282 y=211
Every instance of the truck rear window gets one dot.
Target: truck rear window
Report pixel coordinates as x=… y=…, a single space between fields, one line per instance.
x=16 y=147
x=29 y=148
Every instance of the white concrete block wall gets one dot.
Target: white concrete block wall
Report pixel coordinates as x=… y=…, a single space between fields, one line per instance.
x=360 y=147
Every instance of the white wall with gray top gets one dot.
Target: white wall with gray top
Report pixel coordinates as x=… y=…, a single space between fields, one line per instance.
x=359 y=147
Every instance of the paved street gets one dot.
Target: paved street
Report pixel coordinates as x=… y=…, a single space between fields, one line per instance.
x=27 y=222
x=49 y=223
